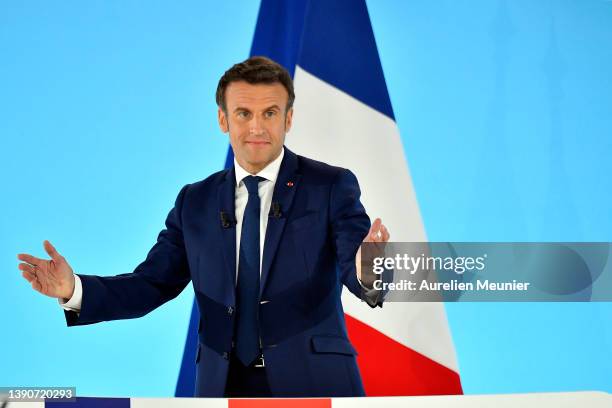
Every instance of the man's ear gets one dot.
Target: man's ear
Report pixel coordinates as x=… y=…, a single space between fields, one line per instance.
x=222 y=118
x=288 y=120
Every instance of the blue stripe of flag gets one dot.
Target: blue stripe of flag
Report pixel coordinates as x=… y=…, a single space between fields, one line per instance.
x=338 y=47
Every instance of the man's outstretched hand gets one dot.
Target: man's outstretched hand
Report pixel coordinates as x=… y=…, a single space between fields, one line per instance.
x=378 y=232
x=379 y=235
x=53 y=277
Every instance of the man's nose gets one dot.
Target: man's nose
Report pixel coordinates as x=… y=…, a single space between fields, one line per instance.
x=255 y=127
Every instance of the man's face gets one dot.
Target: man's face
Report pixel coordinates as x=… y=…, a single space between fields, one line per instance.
x=256 y=122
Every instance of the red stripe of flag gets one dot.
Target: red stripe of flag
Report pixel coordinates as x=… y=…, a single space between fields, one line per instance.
x=389 y=368
x=281 y=403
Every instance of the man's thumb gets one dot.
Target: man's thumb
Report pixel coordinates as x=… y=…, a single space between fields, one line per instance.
x=50 y=249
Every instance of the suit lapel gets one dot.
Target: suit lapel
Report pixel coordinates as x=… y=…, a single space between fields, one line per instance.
x=226 y=202
x=284 y=191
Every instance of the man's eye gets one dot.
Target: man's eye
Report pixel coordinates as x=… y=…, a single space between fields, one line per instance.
x=269 y=114
x=243 y=114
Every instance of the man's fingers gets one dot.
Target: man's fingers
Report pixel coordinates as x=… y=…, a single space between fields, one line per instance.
x=25 y=267
x=385 y=233
x=28 y=276
x=36 y=285
x=376 y=224
x=378 y=232
x=31 y=259
x=50 y=249
x=32 y=278
x=375 y=229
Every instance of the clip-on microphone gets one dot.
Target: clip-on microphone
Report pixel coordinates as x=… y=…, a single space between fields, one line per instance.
x=275 y=210
x=226 y=221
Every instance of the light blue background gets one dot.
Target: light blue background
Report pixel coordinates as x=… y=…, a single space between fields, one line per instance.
x=107 y=109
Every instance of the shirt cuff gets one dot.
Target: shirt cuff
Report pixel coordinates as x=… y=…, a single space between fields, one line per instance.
x=369 y=295
x=74 y=303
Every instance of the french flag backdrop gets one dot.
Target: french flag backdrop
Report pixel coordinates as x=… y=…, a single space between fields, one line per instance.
x=343 y=116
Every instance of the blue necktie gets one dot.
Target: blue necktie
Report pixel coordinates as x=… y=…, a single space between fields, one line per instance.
x=247 y=333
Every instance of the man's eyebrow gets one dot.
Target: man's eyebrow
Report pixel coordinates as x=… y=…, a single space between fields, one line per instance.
x=271 y=107
x=275 y=106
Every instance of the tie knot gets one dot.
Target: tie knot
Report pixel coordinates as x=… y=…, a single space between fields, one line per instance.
x=252 y=183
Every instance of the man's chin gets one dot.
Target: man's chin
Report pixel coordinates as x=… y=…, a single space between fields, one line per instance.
x=258 y=162
x=259 y=158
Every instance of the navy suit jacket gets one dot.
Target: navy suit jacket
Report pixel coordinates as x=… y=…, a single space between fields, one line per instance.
x=309 y=253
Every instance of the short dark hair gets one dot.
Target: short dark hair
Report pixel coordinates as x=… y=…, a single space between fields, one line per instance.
x=255 y=70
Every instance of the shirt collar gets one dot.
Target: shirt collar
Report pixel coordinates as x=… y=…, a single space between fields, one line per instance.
x=270 y=172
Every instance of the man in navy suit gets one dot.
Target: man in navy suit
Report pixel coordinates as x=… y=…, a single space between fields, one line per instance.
x=268 y=245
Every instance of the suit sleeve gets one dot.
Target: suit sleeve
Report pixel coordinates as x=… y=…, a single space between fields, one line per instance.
x=350 y=225
x=159 y=278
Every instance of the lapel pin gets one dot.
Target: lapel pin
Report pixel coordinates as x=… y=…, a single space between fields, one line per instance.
x=290 y=184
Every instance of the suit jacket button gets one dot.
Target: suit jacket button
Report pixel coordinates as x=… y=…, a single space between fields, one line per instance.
x=226 y=355
x=230 y=310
